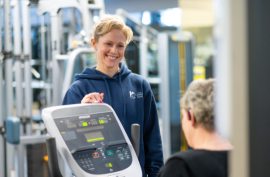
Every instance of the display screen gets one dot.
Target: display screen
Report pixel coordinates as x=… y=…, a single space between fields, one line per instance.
x=87 y=130
x=93 y=137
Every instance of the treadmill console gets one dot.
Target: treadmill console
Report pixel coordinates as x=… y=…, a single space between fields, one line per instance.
x=91 y=141
x=96 y=142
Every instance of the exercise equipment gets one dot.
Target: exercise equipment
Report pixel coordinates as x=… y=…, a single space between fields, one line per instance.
x=92 y=141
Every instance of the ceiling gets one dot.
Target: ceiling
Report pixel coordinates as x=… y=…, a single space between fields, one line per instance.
x=195 y=13
x=139 y=5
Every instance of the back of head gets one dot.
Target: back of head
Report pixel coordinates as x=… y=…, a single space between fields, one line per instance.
x=108 y=23
x=199 y=97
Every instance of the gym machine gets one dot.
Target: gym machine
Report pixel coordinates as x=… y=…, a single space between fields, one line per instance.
x=176 y=53
x=92 y=141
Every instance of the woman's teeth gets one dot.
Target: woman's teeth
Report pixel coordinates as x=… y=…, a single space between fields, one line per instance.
x=113 y=58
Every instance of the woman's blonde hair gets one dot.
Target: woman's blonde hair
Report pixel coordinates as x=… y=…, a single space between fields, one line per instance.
x=109 y=22
x=199 y=97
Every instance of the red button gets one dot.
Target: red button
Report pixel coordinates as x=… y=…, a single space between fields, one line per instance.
x=95 y=155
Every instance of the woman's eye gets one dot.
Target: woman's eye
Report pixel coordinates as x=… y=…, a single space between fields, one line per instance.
x=121 y=46
x=108 y=44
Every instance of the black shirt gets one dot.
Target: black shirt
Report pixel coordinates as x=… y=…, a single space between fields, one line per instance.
x=196 y=163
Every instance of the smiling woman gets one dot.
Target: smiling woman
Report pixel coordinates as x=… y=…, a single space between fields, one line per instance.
x=127 y=93
x=110 y=51
x=110 y=38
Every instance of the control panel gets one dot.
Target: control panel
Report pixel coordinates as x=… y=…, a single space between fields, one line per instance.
x=96 y=142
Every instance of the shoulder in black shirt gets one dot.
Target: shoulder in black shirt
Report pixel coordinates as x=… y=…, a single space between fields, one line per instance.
x=196 y=163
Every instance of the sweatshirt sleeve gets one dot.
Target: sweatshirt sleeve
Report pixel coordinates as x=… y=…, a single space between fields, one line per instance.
x=72 y=97
x=151 y=135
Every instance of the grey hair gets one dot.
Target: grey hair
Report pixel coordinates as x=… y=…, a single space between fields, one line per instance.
x=199 y=97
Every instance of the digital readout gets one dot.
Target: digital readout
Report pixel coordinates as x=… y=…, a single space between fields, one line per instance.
x=99 y=127
x=71 y=125
x=93 y=137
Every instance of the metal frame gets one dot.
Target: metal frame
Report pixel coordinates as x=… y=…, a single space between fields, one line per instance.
x=18 y=78
x=8 y=81
x=163 y=59
x=27 y=65
x=2 y=160
x=70 y=66
x=164 y=86
x=44 y=6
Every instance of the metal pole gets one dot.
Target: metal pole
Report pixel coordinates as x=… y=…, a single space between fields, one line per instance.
x=102 y=9
x=18 y=78
x=87 y=18
x=8 y=61
x=72 y=27
x=43 y=30
x=17 y=53
x=27 y=65
x=60 y=30
x=57 y=100
x=143 y=52
x=163 y=59
x=8 y=80
x=2 y=161
x=48 y=92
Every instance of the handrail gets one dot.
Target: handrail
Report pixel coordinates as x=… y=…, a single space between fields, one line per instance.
x=70 y=66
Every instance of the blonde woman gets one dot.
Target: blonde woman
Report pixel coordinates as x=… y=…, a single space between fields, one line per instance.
x=209 y=157
x=113 y=83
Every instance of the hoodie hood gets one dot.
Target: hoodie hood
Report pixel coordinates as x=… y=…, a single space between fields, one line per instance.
x=92 y=73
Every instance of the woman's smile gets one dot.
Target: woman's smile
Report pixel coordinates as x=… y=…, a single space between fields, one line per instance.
x=111 y=57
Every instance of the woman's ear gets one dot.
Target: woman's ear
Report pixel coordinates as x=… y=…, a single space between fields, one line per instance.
x=192 y=118
x=94 y=43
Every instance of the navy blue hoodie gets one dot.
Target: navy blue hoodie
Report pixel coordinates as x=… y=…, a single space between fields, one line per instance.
x=132 y=99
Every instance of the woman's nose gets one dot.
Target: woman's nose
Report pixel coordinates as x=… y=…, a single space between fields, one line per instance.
x=113 y=49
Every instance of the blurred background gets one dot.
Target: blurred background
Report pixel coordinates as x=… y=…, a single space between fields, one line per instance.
x=44 y=43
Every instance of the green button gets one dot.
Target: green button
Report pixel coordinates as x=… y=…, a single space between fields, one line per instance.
x=110 y=152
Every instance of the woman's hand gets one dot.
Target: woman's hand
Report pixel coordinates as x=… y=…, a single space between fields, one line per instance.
x=94 y=97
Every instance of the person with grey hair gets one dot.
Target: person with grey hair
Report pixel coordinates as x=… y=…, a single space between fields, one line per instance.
x=208 y=158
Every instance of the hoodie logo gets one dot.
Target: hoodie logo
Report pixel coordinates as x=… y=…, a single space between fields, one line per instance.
x=133 y=95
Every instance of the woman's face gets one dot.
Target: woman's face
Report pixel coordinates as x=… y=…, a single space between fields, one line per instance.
x=110 y=49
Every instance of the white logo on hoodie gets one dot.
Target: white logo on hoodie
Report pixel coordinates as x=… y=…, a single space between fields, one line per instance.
x=134 y=95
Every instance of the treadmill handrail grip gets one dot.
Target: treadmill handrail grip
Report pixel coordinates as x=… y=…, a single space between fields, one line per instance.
x=135 y=138
x=52 y=157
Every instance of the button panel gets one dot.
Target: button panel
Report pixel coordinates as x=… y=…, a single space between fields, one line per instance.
x=85 y=162
x=99 y=133
x=123 y=154
x=102 y=161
